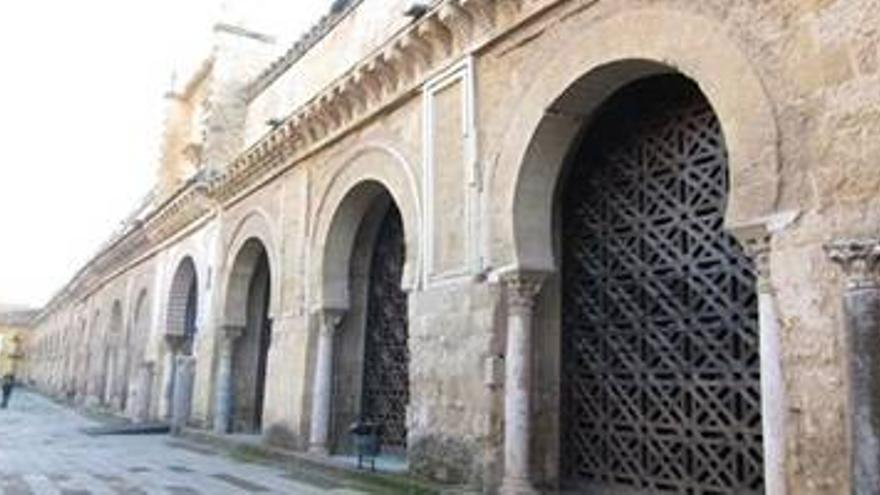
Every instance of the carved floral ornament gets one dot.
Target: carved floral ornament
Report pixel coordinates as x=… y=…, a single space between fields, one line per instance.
x=521 y=288
x=859 y=259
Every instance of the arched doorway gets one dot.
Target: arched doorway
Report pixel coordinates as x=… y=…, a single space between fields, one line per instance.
x=385 y=375
x=183 y=304
x=660 y=366
x=368 y=357
x=110 y=393
x=181 y=324
x=248 y=301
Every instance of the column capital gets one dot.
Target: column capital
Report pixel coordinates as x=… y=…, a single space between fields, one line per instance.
x=755 y=238
x=755 y=241
x=329 y=319
x=175 y=341
x=231 y=332
x=185 y=359
x=859 y=259
x=521 y=287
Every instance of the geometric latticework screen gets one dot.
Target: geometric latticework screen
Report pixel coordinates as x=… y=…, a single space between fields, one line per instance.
x=660 y=377
x=386 y=356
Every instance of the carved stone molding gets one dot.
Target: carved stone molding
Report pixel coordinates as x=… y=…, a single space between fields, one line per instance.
x=448 y=28
x=860 y=261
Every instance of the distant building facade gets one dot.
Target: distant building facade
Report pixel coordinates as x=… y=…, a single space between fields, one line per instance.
x=14 y=331
x=619 y=247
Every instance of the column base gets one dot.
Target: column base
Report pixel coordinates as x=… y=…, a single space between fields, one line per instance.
x=319 y=450
x=517 y=486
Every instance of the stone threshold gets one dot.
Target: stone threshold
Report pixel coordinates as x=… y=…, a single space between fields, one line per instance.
x=251 y=448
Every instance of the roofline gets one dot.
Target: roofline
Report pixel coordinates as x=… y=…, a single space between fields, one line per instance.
x=299 y=49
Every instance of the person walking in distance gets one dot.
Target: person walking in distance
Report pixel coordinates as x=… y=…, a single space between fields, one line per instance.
x=8 y=383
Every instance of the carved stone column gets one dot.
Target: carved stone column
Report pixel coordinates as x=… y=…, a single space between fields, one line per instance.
x=183 y=384
x=93 y=376
x=860 y=260
x=520 y=289
x=81 y=378
x=223 y=401
x=144 y=392
x=322 y=390
x=756 y=242
x=125 y=385
x=173 y=343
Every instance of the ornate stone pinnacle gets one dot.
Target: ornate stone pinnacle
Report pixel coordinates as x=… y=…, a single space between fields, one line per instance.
x=860 y=260
x=521 y=288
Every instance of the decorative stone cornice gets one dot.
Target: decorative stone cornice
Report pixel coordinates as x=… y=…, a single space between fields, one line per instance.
x=397 y=67
x=180 y=210
x=860 y=261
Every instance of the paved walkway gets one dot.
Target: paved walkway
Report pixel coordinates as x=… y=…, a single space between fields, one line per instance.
x=44 y=451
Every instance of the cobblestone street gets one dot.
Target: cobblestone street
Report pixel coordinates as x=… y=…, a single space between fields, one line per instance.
x=43 y=450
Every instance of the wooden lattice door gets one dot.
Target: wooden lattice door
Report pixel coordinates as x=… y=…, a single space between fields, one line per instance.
x=386 y=356
x=661 y=370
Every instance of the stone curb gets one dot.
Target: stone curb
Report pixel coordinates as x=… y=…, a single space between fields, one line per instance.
x=371 y=482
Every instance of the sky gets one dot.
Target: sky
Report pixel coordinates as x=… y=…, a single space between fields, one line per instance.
x=81 y=114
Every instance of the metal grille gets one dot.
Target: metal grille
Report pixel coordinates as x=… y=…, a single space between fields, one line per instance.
x=661 y=385
x=386 y=363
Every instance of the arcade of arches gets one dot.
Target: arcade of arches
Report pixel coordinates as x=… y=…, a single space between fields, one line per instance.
x=544 y=247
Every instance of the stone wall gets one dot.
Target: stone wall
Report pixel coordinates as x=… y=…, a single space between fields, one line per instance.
x=470 y=157
x=354 y=35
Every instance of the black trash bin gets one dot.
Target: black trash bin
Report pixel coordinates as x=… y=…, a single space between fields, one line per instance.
x=367 y=436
